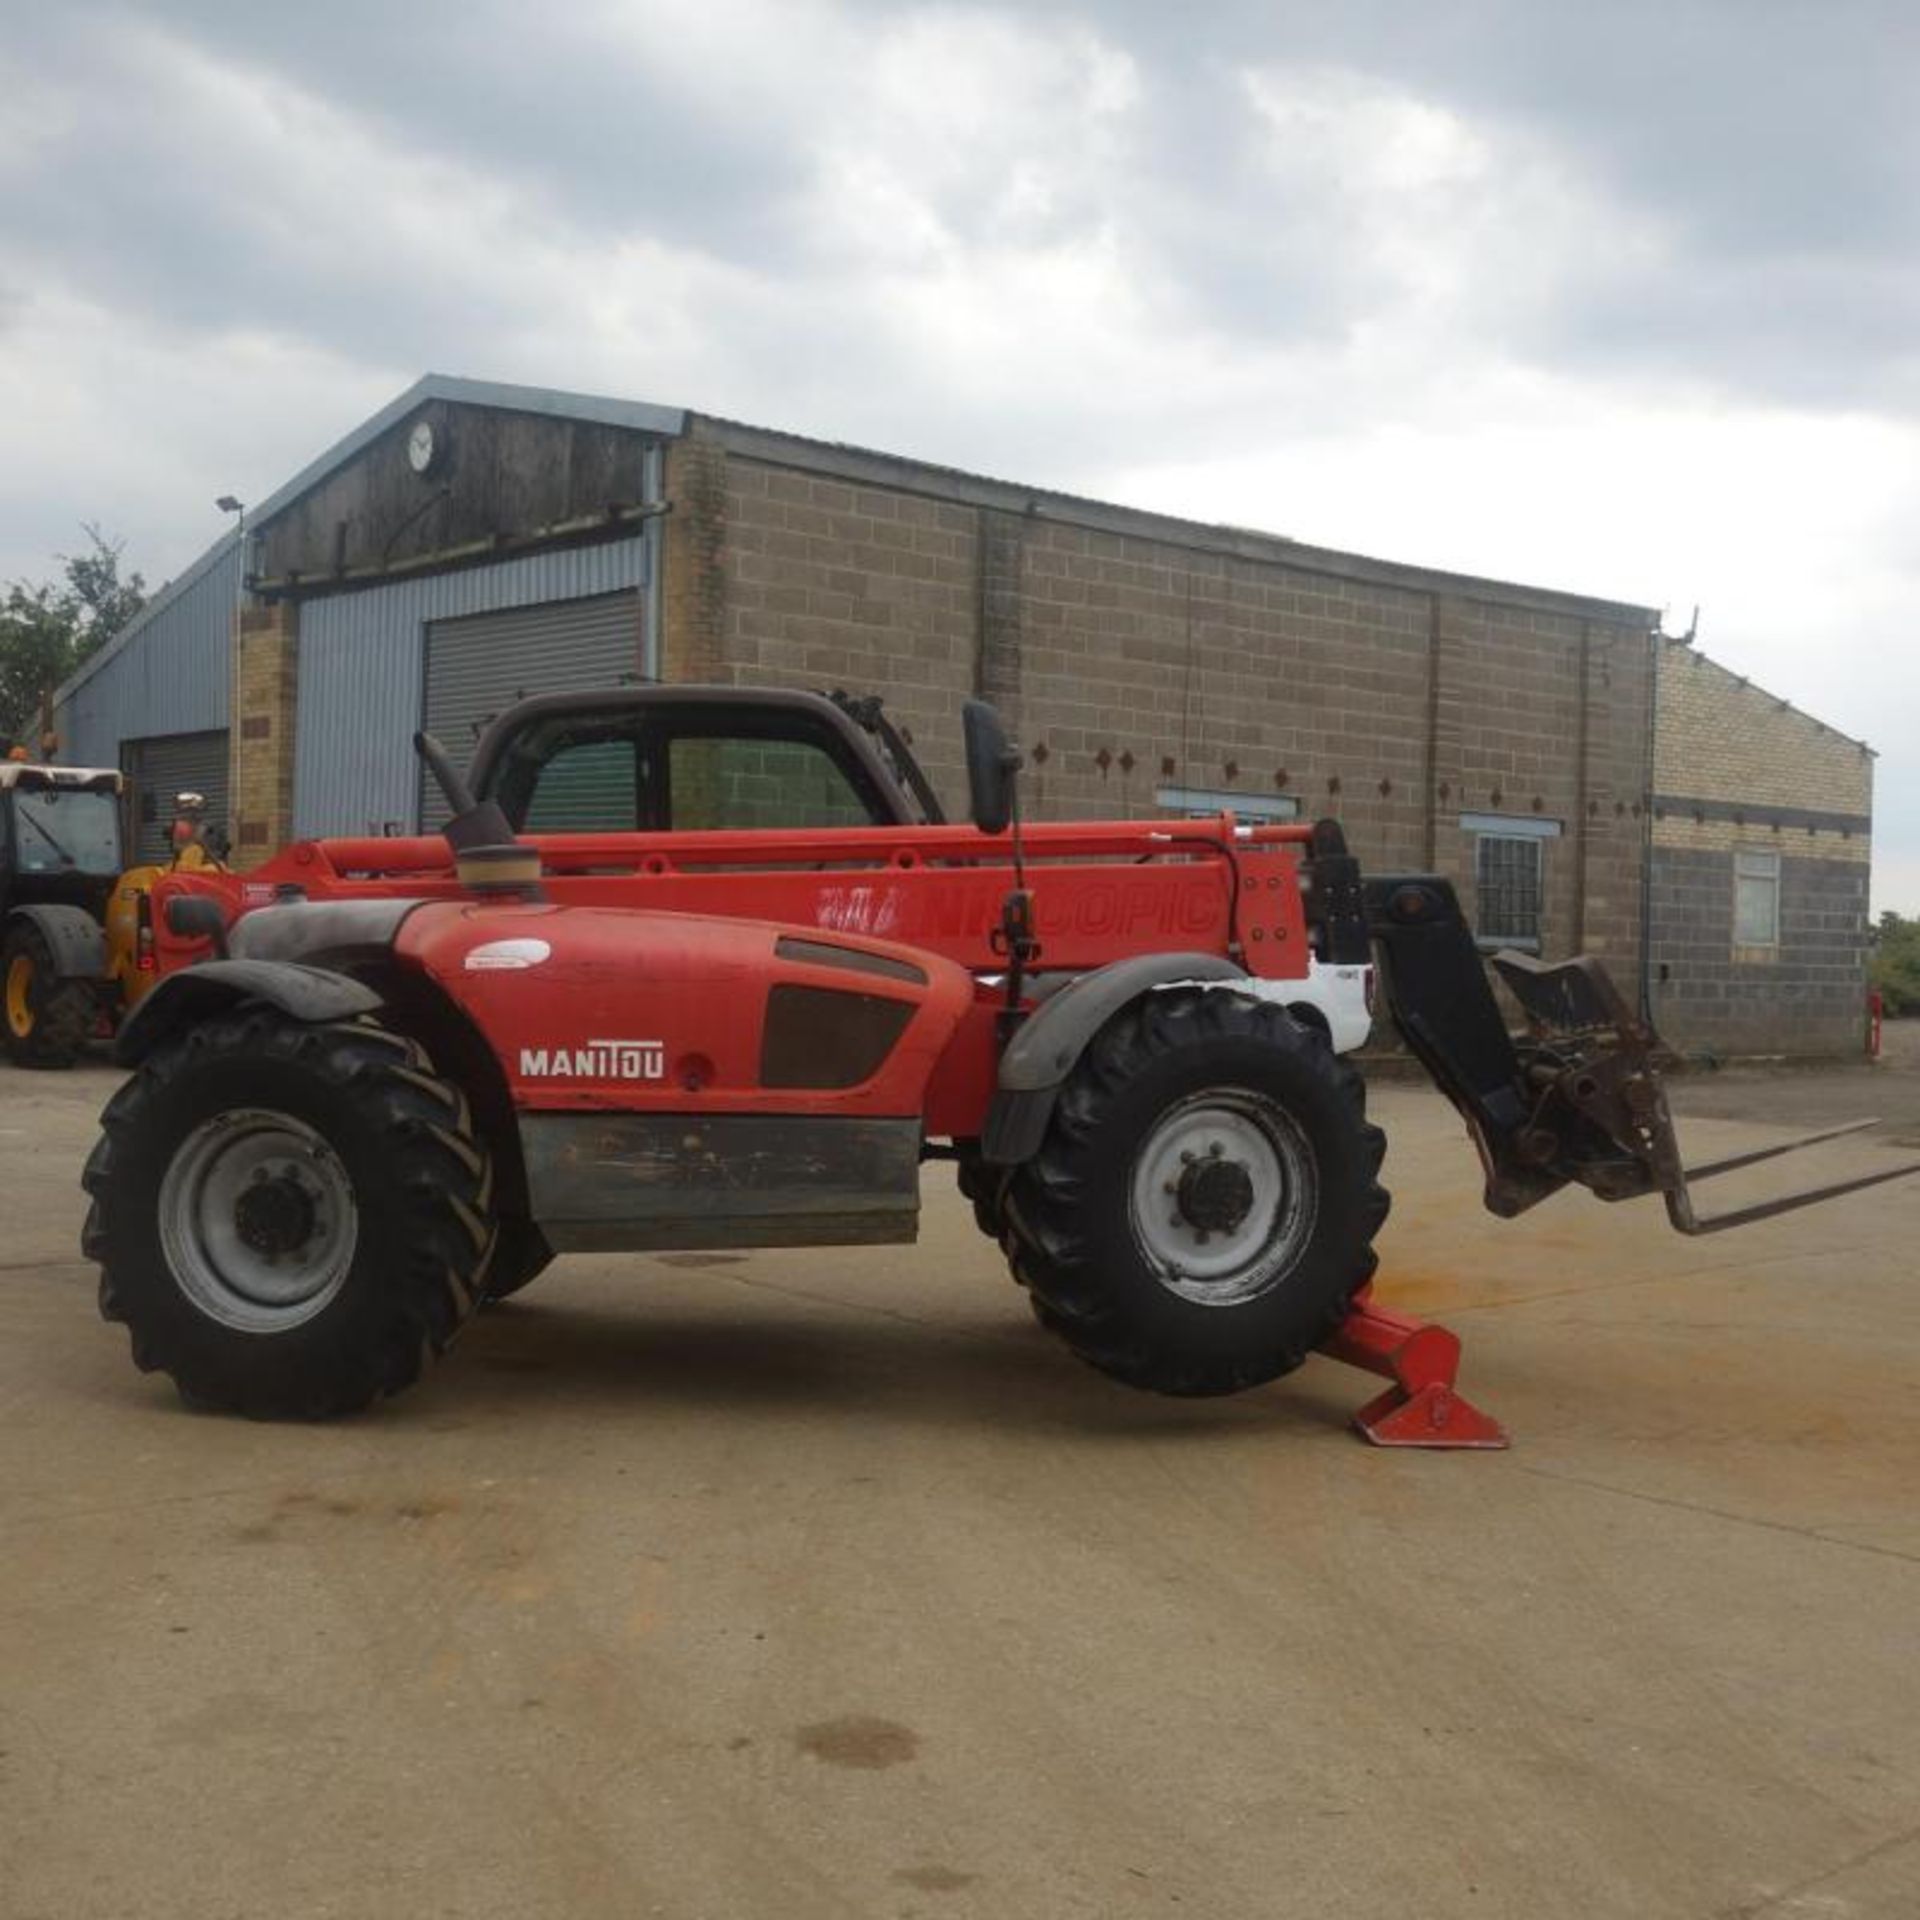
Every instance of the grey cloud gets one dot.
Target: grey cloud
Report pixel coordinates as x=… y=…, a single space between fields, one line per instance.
x=1776 y=144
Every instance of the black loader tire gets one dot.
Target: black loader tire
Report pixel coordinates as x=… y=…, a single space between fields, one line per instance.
x=398 y=1142
x=1155 y=1070
x=46 y=1020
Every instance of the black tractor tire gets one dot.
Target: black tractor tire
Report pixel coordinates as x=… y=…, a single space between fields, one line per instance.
x=1128 y=1290
x=46 y=1020
x=520 y=1258
x=982 y=1187
x=333 y=1124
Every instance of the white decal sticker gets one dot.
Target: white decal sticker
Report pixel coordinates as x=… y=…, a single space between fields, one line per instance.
x=597 y=1060
x=507 y=956
x=861 y=909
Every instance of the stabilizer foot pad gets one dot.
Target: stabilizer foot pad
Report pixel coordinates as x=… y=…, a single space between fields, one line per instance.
x=1433 y=1416
x=1421 y=1408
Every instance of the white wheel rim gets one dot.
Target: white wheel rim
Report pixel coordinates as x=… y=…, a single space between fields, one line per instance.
x=257 y=1220
x=1223 y=1197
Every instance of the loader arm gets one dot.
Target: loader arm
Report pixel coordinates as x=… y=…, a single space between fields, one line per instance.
x=1576 y=1097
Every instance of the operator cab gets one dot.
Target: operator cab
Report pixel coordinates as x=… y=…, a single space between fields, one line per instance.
x=60 y=820
x=698 y=759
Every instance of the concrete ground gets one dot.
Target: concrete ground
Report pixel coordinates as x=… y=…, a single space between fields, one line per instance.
x=824 y=1584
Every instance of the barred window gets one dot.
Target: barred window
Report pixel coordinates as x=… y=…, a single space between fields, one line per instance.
x=1756 y=898
x=1508 y=880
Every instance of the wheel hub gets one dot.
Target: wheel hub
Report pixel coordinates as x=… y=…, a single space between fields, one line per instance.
x=1223 y=1196
x=1215 y=1195
x=258 y=1220
x=20 y=995
x=275 y=1215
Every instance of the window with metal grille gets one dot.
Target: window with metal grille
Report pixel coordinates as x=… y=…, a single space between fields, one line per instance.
x=1756 y=898
x=1508 y=880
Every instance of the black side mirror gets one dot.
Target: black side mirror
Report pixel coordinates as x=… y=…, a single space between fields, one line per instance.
x=992 y=764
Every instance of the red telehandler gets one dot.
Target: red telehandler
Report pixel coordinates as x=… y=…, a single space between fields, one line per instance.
x=384 y=1080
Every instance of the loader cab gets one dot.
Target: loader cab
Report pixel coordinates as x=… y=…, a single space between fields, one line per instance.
x=59 y=836
x=695 y=759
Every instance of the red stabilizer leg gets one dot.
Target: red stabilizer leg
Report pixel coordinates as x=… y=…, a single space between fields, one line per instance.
x=1421 y=1408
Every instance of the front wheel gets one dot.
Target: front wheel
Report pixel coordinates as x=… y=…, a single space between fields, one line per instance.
x=290 y=1220
x=1203 y=1208
x=47 y=1019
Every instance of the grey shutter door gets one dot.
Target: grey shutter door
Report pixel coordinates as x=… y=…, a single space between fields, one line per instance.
x=479 y=666
x=167 y=764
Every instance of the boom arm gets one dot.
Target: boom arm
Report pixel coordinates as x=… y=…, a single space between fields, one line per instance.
x=1576 y=1097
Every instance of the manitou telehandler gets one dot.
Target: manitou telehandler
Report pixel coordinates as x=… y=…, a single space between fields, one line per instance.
x=383 y=1080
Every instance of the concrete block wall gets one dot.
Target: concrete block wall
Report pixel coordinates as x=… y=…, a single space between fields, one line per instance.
x=1543 y=716
x=1808 y=997
x=1129 y=653
x=802 y=579
x=1738 y=769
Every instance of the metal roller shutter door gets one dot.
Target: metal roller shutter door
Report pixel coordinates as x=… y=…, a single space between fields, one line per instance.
x=479 y=666
x=166 y=764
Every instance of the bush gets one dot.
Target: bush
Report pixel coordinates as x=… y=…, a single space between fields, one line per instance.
x=1894 y=965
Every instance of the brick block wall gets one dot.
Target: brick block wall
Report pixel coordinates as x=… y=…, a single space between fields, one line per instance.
x=1129 y=653
x=266 y=670
x=1145 y=664
x=1124 y=663
x=820 y=583
x=1723 y=738
x=1544 y=717
x=694 y=564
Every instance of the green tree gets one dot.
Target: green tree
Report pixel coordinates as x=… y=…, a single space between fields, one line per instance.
x=48 y=629
x=1894 y=966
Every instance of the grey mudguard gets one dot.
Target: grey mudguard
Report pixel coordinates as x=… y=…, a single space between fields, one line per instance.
x=74 y=937
x=186 y=998
x=319 y=930
x=1044 y=1051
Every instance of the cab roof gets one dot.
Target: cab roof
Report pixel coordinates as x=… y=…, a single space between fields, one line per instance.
x=14 y=773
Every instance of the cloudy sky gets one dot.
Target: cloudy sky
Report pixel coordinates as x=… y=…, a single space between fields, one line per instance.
x=1621 y=298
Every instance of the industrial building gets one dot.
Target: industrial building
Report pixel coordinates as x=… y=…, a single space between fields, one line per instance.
x=1587 y=782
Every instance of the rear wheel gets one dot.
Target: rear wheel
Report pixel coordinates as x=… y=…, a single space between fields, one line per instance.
x=1203 y=1208
x=291 y=1221
x=47 y=1019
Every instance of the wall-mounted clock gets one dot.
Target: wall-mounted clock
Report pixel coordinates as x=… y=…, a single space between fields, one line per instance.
x=423 y=447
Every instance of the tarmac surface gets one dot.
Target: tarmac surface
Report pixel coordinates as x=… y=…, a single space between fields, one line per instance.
x=823 y=1583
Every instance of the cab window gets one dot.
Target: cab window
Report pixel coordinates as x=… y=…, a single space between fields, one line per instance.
x=60 y=829
x=741 y=782
x=586 y=786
